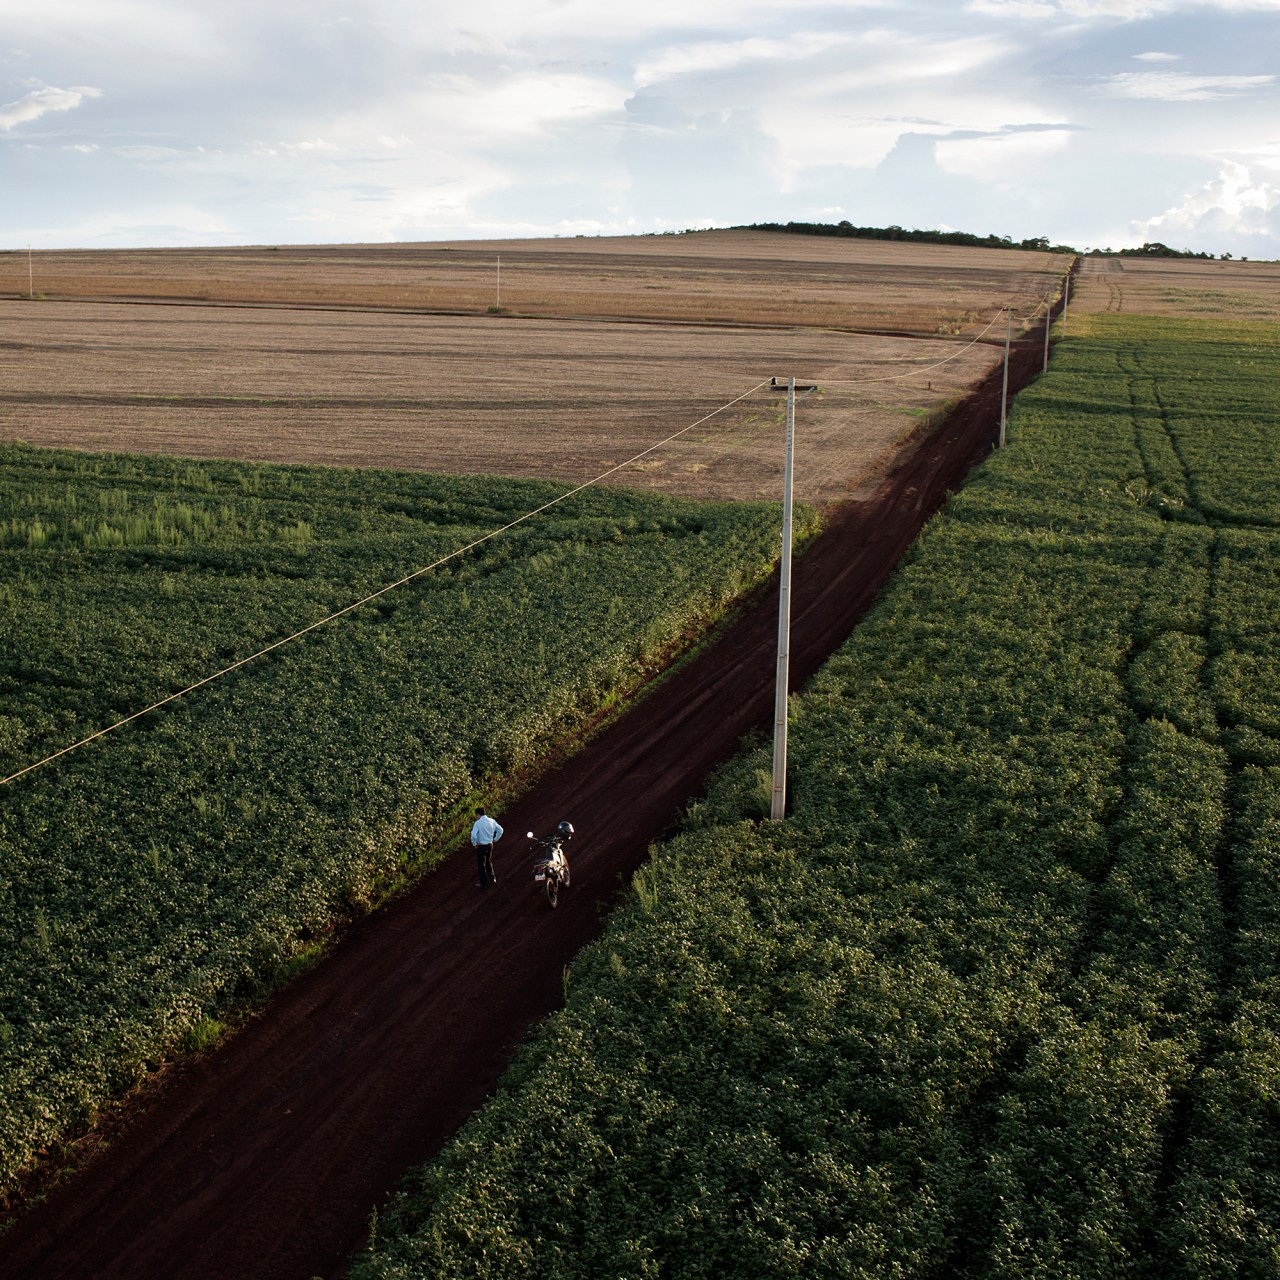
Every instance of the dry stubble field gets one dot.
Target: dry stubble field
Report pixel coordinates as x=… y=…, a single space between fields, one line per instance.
x=368 y=356
x=1197 y=288
x=739 y=277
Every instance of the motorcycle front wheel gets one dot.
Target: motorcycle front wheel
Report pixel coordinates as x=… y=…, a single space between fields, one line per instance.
x=564 y=871
x=553 y=888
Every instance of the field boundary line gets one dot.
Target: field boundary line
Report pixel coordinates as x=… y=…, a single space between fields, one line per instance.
x=417 y=573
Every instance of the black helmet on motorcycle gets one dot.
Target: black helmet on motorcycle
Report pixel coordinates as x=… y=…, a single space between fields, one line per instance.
x=564 y=830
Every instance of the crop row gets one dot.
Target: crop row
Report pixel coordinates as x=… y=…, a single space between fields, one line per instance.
x=998 y=998
x=153 y=876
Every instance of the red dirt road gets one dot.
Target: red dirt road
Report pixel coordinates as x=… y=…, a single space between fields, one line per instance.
x=265 y=1158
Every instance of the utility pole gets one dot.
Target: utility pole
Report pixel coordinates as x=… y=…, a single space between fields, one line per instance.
x=1048 y=320
x=498 y=289
x=1004 y=390
x=31 y=283
x=779 y=803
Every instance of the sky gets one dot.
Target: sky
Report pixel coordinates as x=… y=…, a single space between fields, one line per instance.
x=1095 y=123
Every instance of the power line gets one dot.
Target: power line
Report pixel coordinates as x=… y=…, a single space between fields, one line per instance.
x=912 y=372
x=417 y=573
x=1044 y=306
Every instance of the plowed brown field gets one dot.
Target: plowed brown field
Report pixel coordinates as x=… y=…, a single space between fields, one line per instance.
x=386 y=356
x=736 y=277
x=554 y=399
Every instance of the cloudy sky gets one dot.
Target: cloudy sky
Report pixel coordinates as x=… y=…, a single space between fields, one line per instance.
x=1093 y=122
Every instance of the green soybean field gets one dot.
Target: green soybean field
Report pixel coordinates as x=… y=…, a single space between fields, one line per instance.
x=1001 y=996
x=177 y=866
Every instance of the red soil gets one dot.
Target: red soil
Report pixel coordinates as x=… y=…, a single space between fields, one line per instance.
x=265 y=1158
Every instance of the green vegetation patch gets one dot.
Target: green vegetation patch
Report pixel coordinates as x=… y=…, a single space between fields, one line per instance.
x=157 y=875
x=999 y=998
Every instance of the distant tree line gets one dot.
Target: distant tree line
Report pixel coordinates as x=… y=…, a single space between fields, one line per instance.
x=1039 y=244
x=1154 y=249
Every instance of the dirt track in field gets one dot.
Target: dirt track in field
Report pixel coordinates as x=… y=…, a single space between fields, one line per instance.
x=265 y=1158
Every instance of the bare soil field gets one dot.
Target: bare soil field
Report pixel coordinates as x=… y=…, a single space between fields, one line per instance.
x=397 y=355
x=1197 y=288
x=736 y=277
x=482 y=394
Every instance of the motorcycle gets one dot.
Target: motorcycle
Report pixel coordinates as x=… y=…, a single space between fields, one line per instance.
x=551 y=868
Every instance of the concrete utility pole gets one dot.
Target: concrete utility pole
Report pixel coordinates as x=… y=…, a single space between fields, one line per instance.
x=497 y=297
x=31 y=283
x=1048 y=320
x=779 y=803
x=1004 y=390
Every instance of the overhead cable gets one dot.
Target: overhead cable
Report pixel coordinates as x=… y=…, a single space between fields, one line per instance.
x=382 y=591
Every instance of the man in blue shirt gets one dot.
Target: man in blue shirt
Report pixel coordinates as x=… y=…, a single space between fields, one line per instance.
x=485 y=833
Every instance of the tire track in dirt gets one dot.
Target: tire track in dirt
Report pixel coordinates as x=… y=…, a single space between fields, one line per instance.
x=265 y=1158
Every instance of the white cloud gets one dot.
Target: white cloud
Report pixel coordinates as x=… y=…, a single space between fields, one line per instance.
x=394 y=118
x=40 y=101
x=162 y=224
x=1126 y=10
x=507 y=23
x=692 y=59
x=1233 y=206
x=900 y=60
x=1121 y=10
x=853 y=113
x=839 y=98
x=444 y=124
x=526 y=104
x=1174 y=86
x=460 y=113
x=999 y=158
x=145 y=153
x=148 y=22
x=500 y=28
